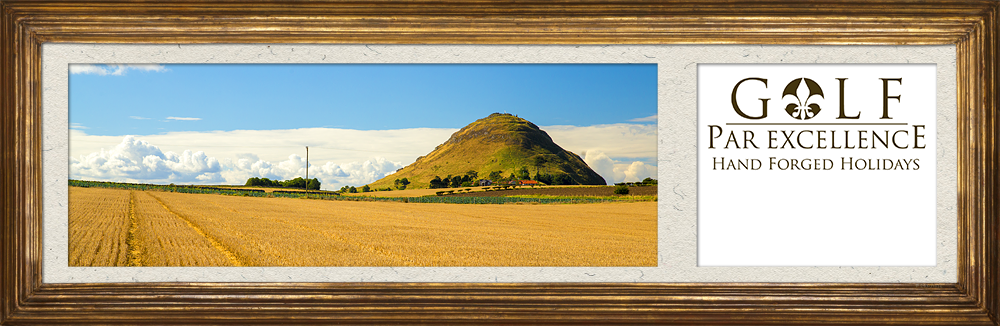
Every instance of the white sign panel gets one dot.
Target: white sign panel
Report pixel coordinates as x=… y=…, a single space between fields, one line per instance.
x=816 y=165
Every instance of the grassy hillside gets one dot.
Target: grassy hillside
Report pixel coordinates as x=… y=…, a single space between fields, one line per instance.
x=499 y=142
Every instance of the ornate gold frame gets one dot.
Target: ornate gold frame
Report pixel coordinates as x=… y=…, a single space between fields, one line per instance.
x=971 y=26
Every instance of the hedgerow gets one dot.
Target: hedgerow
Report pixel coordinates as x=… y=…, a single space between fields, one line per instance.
x=335 y=196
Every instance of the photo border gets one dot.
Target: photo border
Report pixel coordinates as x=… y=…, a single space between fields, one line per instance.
x=971 y=26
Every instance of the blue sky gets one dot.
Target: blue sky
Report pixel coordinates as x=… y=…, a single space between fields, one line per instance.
x=356 y=96
x=221 y=124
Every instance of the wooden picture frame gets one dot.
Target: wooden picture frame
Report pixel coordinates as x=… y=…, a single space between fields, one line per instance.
x=970 y=25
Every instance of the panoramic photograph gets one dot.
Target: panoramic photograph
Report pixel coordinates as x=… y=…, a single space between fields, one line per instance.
x=344 y=165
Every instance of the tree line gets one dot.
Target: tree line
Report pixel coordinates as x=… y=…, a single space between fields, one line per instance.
x=450 y=181
x=471 y=178
x=645 y=182
x=299 y=182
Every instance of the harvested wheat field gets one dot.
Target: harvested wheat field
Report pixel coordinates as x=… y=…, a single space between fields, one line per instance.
x=115 y=227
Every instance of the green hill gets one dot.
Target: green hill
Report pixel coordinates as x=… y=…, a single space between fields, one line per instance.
x=499 y=142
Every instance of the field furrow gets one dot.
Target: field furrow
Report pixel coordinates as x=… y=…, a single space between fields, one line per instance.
x=98 y=227
x=266 y=237
x=134 y=255
x=168 y=239
x=369 y=248
x=179 y=229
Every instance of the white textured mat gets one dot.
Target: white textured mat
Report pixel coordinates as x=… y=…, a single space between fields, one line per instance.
x=677 y=150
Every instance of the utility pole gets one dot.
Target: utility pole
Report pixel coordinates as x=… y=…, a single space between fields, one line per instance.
x=307 y=168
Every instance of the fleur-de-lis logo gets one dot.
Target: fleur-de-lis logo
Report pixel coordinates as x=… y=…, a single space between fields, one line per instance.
x=802 y=89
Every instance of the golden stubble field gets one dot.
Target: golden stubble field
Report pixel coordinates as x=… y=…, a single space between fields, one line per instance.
x=112 y=227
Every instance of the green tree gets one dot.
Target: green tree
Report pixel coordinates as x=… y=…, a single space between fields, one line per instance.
x=298 y=182
x=456 y=182
x=313 y=184
x=621 y=190
x=472 y=174
x=496 y=176
x=543 y=178
x=366 y=189
x=437 y=183
x=352 y=190
x=539 y=162
x=523 y=174
x=562 y=179
x=401 y=183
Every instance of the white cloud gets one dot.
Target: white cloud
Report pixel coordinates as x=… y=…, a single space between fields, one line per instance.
x=135 y=160
x=617 y=172
x=138 y=118
x=651 y=118
x=148 y=67
x=325 y=144
x=183 y=118
x=139 y=161
x=636 y=141
x=355 y=157
x=636 y=171
x=77 y=126
x=603 y=165
x=113 y=69
x=357 y=173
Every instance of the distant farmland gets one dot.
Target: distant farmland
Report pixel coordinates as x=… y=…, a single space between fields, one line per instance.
x=149 y=227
